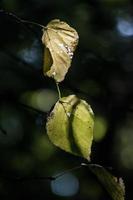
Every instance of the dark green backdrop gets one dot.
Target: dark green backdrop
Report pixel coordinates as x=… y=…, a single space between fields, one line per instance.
x=101 y=73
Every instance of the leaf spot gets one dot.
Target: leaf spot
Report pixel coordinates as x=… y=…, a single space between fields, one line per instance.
x=68 y=114
x=53 y=73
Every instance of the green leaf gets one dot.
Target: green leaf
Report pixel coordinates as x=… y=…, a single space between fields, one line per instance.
x=113 y=185
x=70 y=126
x=60 y=42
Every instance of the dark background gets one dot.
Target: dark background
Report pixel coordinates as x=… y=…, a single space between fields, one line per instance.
x=101 y=73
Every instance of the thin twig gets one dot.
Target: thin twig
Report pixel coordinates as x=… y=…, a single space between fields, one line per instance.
x=40 y=178
x=32 y=109
x=21 y=20
x=21 y=179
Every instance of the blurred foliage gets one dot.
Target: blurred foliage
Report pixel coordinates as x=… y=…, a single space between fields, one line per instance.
x=101 y=73
x=100 y=128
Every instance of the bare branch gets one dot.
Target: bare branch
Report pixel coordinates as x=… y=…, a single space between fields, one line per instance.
x=33 y=109
x=23 y=179
x=41 y=178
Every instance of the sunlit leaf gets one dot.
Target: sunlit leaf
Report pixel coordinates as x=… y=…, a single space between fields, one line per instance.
x=113 y=185
x=70 y=126
x=60 y=42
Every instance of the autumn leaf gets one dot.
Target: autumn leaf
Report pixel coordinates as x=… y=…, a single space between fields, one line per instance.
x=60 y=42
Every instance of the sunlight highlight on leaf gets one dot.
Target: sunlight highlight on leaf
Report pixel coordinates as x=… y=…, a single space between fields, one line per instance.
x=70 y=126
x=60 y=42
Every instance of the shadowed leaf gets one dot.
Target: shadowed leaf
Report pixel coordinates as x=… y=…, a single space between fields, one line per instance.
x=60 y=42
x=114 y=186
x=70 y=126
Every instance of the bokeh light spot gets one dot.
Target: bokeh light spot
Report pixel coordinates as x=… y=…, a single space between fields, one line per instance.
x=66 y=185
x=31 y=54
x=125 y=27
x=100 y=128
x=124 y=145
x=41 y=99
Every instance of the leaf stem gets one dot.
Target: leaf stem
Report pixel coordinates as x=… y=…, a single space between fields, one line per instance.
x=58 y=89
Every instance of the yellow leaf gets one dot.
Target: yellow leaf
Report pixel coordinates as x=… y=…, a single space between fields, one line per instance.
x=60 y=42
x=70 y=126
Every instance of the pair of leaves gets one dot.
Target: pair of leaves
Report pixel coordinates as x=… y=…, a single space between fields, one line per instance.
x=60 y=42
x=70 y=125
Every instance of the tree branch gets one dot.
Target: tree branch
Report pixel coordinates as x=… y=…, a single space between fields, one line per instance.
x=33 y=109
x=23 y=179
x=23 y=22
x=41 y=178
